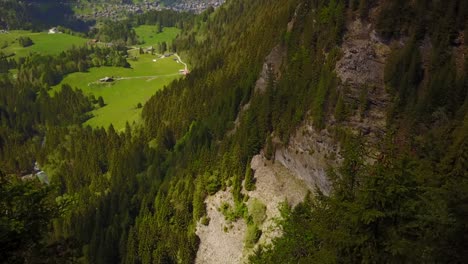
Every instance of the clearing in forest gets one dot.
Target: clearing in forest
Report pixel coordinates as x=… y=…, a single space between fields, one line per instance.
x=43 y=42
x=148 y=34
x=130 y=87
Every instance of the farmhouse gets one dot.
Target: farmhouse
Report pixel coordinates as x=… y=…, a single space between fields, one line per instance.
x=106 y=79
x=184 y=71
x=150 y=49
x=53 y=30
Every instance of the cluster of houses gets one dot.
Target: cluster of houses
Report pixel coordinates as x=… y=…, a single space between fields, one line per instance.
x=195 y=6
x=118 y=11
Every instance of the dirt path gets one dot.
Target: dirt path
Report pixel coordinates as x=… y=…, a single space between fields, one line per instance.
x=185 y=64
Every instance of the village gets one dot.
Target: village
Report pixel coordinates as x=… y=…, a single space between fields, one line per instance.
x=119 y=11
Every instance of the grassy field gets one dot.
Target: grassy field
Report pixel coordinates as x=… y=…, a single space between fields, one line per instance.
x=44 y=43
x=148 y=34
x=122 y=96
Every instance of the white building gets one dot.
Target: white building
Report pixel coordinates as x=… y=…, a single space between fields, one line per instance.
x=53 y=30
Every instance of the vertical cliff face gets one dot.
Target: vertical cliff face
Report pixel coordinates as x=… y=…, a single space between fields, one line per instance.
x=308 y=155
x=360 y=70
x=301 y=164
x=220 y=239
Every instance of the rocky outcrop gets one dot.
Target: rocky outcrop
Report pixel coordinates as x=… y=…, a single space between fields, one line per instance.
x=220 y=240
x=224 y=240
x=271 y=68
x=361 y=70
x=301 y=165
x=274 y=185
x=308 y=155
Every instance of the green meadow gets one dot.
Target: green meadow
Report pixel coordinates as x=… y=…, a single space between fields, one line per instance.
x=122 y=96
x=132 y=86
x=147 y=33
x=44 y=43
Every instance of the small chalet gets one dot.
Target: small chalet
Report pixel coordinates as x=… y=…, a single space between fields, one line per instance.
x=53 y=30
x=106 y=79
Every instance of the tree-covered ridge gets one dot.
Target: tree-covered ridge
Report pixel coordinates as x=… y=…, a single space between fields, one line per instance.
x=38 y=15
x=123 y=31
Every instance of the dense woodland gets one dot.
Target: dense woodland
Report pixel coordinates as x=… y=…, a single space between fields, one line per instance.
x=123 y=31
x=135 y=196
x=39 y=15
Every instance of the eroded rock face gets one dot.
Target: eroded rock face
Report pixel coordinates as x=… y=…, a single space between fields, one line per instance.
x=364 y=56
x=310 y=153
x=308 y=156
x=271 y=67
x=274 y=185
x=361 y=70
x=301 y=165
x=218 y=245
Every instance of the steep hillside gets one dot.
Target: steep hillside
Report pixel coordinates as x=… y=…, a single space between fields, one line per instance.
x=323 y=131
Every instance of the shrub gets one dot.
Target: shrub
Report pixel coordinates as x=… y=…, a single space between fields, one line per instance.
x=101 y=101
x=213 y=185
x=249 y=182
x=252 y=235
x=257 y=211
x=25 y=41
x=205 y=220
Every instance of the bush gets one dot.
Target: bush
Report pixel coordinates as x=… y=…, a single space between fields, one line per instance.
x=101 y=101
x=213 y=185
x=205 y=220
x=257 y=211
x=252 y=236
x=249 y=182
x=25 y=41
x=232 y=214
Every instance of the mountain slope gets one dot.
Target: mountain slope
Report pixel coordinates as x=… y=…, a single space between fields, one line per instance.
x=354 y=101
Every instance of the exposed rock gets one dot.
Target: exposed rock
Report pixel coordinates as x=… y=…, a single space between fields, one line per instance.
x=362 y=67
x=308 y=155
x=271 y=67
x=274 y=184
x=216 y=245
x=364 y=56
